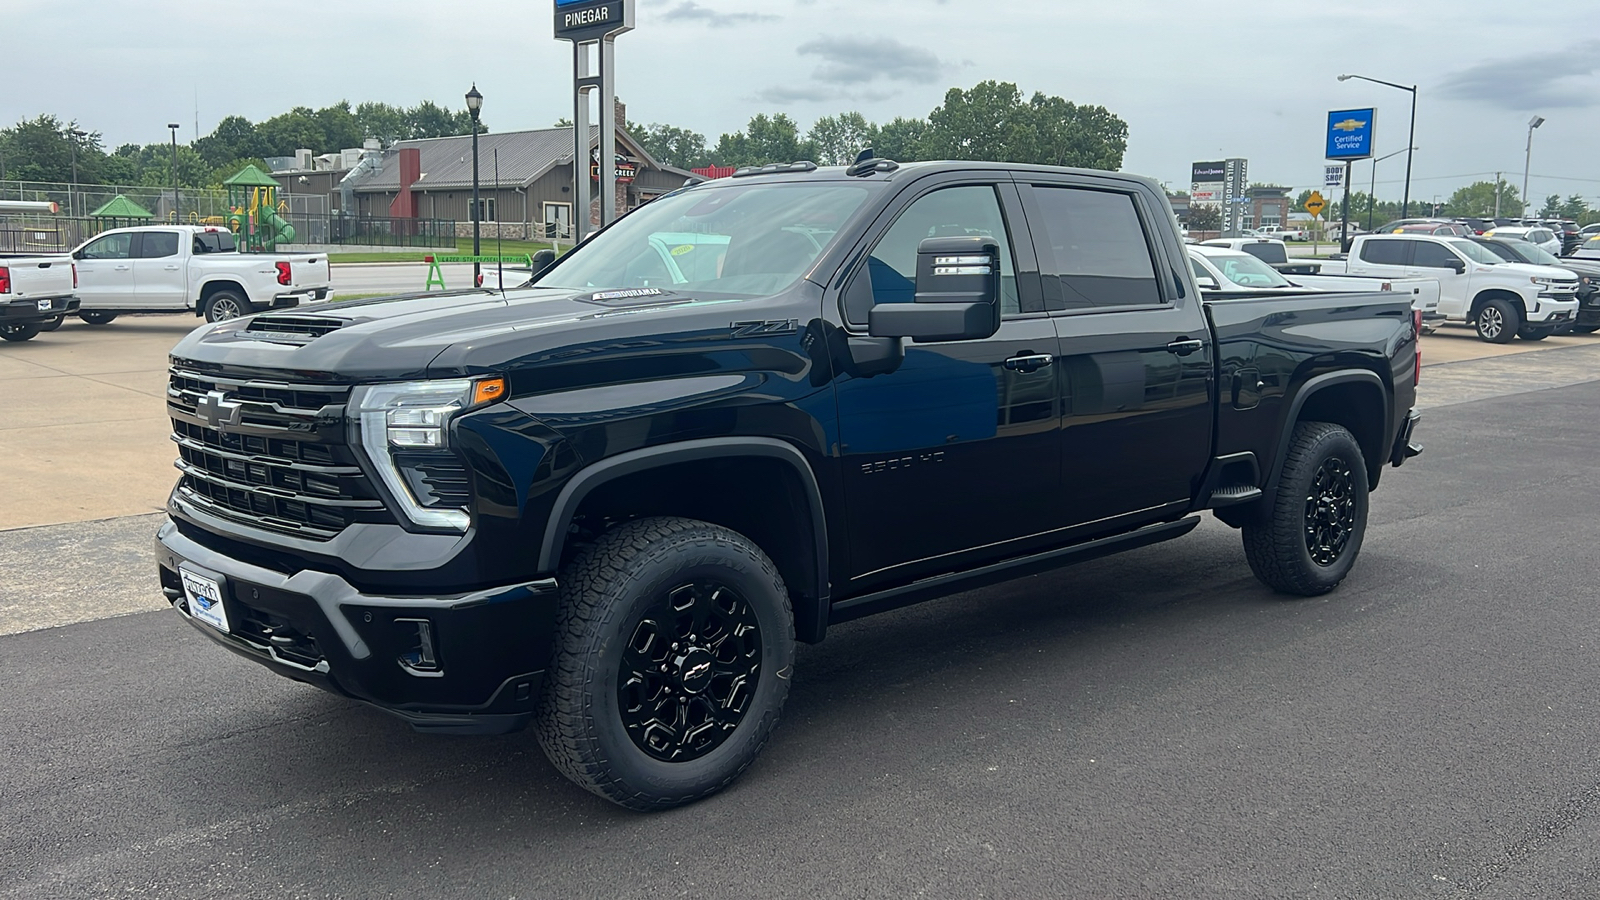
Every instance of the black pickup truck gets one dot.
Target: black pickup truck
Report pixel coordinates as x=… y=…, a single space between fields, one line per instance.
x=608 y=502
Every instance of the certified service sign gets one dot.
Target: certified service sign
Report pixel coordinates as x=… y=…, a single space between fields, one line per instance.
x=592 y=20
x=1350 y=133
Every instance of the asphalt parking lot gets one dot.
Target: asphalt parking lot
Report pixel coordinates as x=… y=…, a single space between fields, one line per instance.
x=1154 y=724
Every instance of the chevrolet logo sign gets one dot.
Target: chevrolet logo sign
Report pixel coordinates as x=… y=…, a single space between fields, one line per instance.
x=217 y=411
x=1349 y=125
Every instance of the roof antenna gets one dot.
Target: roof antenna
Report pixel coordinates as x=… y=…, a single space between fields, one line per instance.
x=863 y=156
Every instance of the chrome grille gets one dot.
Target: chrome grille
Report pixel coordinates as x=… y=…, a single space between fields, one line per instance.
x=278 y=460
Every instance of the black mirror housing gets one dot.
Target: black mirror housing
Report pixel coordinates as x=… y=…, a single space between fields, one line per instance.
x=958 y=293
x=543 y=259
x=1459 y=266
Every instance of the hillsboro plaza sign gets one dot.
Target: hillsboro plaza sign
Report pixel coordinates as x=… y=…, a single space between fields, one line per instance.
x=596 y=22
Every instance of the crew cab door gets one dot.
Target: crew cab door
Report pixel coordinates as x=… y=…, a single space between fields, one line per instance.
x=105 y=272
x=158 y=269
x=1136 y=352
x=1454 y=274
x=953 y=457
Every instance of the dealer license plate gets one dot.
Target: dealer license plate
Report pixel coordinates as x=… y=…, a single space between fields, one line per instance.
x=205 y=599
x=44 y=304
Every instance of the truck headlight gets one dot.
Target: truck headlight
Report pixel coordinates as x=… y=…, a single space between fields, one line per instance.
x=1541 y=281
x=412 y=418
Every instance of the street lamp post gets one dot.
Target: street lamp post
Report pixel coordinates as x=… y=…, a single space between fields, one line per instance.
x=475 y=103
x=175 y=214
x=72 y=189
x=1527 y=157
x=1405 y=204
x=1373 y=189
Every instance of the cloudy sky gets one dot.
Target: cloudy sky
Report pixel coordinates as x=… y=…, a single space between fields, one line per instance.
x=1193 y=81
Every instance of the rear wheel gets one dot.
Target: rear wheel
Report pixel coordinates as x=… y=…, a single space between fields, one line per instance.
x=53 y=324
x=1313 y=532
x=1498 y=322
x=674 y=647
x=97 y=318
x=18 y=333
x=1585 y=329
x=1535 y=334
x=225 y=305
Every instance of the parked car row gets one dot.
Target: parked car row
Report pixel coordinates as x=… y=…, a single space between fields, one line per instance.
x=1561 y=237
x=159 y=268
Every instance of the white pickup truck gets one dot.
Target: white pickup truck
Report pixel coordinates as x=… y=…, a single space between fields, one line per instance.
x=1501 y=300
x=160 y=268
x=36 y=292
x=1219 y=271
x=1282 y=233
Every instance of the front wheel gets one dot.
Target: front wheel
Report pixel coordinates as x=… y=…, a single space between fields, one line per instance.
x=1313 y=531
x=1498 y=322
x=19 y=333
x=225 y=305
x=673 y=651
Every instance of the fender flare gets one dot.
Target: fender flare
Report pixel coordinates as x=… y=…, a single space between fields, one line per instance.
x=1307 y=390
x=811 y=616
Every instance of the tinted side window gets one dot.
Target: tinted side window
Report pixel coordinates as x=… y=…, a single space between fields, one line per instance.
x=1433 y=256
x=1100 y=256
x=1384 y=253
x=156 y=244
x=112 y=246
x=214 y=242
x=891 y=272
x=1267 y=253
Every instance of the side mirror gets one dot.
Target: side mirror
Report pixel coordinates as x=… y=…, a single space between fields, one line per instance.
x=1459 y=266
x=958 y=294
x=77 y=254
x=1206 y=283
x=542 y=260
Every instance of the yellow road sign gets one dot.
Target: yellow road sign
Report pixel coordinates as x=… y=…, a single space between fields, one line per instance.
x=1315 y=204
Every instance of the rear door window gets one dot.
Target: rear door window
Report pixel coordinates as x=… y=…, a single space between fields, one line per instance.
x=1433 y=256
x=1384 y=253
x=158 y=244
x=1094 y=246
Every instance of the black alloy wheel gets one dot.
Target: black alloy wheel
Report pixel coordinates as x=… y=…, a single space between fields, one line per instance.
x=689 y=670
x=1330 y=511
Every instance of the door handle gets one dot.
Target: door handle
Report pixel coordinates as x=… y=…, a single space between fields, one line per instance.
x=120 y=268
x=1185 y=346
x=170 y=268
x=1032 y=362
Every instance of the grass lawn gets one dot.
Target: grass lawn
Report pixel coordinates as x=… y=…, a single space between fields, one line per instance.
x=487 y=247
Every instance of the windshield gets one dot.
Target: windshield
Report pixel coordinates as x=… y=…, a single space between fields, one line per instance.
x=754 y=240
x=1536 y=254
x=1247 y=271
x=1476 y=253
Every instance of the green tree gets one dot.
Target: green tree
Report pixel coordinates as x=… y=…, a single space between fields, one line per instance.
x=774 y=139
x=840 y=139
x=1552 y=206
x=670 y=145
x=1204 y=218
x=233 y=137
x=991 y=121
x=1478 y=199
x=899 y=139
x=41 y=149
x=1575 y=207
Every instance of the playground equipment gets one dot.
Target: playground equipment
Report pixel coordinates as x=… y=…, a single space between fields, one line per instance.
x=253 y=216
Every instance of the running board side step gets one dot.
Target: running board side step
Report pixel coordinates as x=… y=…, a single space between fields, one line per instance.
x=942 y=585
x=1234 y=494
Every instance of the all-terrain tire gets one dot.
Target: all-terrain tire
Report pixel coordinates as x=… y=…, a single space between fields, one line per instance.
x=623 y=593
x=1312 y=535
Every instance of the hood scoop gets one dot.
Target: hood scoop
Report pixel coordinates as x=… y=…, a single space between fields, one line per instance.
x=293 y=329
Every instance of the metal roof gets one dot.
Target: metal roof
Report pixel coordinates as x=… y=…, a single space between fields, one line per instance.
x=447 y=161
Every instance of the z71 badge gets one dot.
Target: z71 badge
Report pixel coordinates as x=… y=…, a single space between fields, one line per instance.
x=776 y=326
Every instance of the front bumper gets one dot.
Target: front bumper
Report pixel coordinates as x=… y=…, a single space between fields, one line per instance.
x=1553 y=309
x=25 y=310
x=1589 y=307
x=484 y=660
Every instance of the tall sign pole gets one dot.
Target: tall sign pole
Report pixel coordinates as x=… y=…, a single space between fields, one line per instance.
x=1349 y=138
x=597 y=22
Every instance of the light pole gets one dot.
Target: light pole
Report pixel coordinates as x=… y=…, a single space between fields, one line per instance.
x=1373 y=189
x=1405 y=204
x=475 y=103
x=72 y=189
x=1527 y=157
x=175 y=215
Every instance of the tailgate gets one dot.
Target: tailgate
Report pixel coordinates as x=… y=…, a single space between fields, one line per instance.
x=40 y=277
x=309 y=272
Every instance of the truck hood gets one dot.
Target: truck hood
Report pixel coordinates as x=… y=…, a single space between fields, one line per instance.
x=1533 y=271
x=429 y=335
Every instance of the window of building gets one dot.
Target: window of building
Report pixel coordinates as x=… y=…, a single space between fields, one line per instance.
x=486 y=209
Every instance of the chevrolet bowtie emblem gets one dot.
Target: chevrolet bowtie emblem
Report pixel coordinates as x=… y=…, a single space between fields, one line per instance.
x=217 y=410
x=1349 y=125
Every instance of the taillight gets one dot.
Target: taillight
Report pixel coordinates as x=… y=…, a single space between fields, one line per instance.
x=5 y=280
x=1416 y=322
x=283 y=272
x=74 y=276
